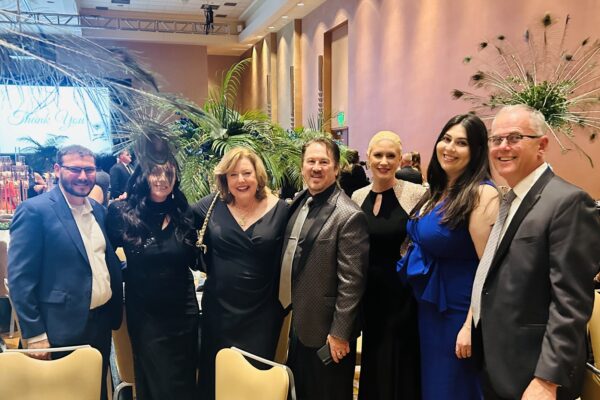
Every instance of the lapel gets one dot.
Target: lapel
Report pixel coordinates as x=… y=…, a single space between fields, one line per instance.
x=99 y=216
x=526 y=205
x=323 y=215
x=65 y=216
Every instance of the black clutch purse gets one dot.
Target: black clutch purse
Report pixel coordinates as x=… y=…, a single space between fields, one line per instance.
x=202 y=257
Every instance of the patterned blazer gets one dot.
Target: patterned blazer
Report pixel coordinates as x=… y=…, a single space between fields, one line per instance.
x=328 y=280
x=407 y=193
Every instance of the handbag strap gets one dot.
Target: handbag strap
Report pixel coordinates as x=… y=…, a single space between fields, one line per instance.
x=200 y=242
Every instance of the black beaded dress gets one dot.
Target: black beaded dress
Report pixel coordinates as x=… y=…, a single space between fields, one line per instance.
x=390 y=347
x=240 y=305
x=161 y=307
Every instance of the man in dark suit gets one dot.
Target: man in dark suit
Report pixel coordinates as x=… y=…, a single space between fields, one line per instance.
x=407 y=172
x=532 y=300
x=64 y=277
x=325 y=263
x=120 y=173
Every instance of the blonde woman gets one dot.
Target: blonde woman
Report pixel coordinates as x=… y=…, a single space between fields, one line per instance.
x=390 y=352
x=240 y=306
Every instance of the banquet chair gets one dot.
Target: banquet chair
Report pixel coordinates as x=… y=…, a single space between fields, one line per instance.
x=591 y=381
x=237 y=379
x=123 y=351
x=13 y=314
x=281 y=352
x=76 y=376
x=124 y=358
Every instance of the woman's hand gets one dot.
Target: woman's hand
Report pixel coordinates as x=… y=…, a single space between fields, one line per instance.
x=463 y=342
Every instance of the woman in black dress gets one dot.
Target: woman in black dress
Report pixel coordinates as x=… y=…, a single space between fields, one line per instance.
x=155 y=227
x=390 y=348
x=240 y=306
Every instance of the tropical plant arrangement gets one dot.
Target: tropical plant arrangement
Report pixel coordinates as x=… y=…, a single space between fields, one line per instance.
x=562 y=83
x=42 y=156
x=203 y=142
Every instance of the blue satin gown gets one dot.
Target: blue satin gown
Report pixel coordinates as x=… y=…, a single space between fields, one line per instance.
x=440 y=267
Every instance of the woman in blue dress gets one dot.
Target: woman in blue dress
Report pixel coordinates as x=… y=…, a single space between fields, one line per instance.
x=449 y=229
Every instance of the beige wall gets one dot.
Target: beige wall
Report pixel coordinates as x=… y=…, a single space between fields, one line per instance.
x=339 y=73
x=254 y=82
x=285 y=59
x=405 y=57
x=218 y=67
x=180 y=69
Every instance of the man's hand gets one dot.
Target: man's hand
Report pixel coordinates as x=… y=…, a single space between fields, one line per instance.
x=338 y=347
x=540 y=389
x=42 y=344
x=463 y=343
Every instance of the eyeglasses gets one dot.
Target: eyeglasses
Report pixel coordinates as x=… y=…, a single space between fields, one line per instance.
x=511 y=139
x=77 y=170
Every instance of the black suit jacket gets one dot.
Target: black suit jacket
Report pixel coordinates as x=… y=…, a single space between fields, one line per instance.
x=538 y=295
x=328 y=279
x=409 y=174
x=119 y=175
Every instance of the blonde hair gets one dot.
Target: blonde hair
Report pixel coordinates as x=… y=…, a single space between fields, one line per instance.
x=228 y=163
x=385 y=135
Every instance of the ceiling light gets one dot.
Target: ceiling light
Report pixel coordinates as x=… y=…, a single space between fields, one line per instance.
x=300 y=4
x=285 y=17
x=271 y=27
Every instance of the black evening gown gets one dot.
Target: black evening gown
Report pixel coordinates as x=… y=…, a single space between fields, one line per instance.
x=161 y=306
x=390 y=347
x=240 y=306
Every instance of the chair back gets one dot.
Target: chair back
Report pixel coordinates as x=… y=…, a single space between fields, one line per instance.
x=237 y=379
x=591 y=381
x=76 y=376
x=281 y=352
x=3 y=267
x=123 y=352
x=14 y=320
x=594 y=329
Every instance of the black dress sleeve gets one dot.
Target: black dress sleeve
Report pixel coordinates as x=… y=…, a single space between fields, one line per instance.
x=115 y=226
x=200 y=209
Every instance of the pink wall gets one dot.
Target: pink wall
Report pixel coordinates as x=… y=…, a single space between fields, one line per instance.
x=217 y=67
x=405 y=57
x=180 y=69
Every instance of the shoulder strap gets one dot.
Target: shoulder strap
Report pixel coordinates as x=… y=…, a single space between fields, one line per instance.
x=200 y=243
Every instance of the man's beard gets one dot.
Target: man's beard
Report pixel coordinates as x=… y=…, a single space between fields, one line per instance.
x=68 y=187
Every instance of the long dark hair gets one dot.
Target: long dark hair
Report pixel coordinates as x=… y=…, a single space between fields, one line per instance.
x=463 y=196
x=136 y=209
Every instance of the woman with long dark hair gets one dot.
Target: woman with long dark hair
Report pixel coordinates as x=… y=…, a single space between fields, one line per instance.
x=155 y=227
x=449 y=229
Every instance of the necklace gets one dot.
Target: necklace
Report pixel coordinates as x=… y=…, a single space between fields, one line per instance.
x=242 y=217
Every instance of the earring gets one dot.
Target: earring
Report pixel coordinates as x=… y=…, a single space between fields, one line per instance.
x=172 y=195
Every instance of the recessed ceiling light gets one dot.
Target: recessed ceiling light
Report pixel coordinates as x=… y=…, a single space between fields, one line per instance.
x=300 y=4
x=271 y=27
x=285 y=17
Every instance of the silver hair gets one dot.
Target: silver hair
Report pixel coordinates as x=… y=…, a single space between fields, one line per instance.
x=537 y=121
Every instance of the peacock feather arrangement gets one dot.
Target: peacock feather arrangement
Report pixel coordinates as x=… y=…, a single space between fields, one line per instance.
x=543 y=72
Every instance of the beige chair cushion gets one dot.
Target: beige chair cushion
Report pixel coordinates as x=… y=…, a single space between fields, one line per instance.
x=74 y=377
x=237 y=379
